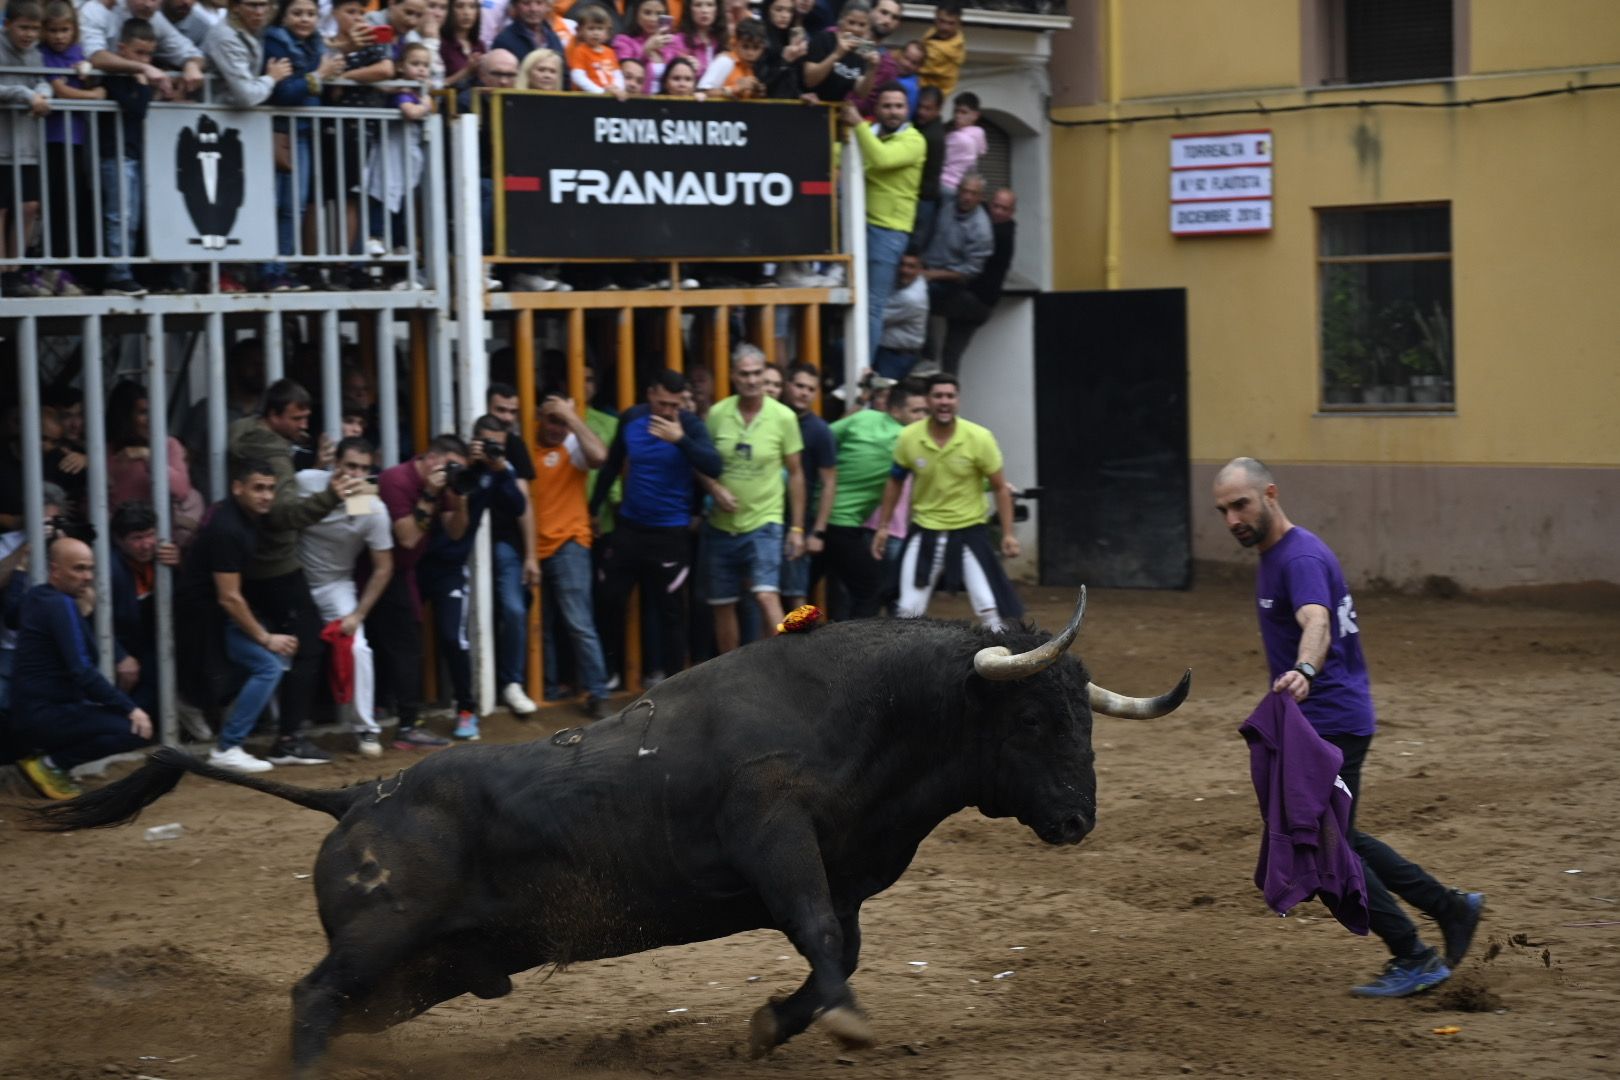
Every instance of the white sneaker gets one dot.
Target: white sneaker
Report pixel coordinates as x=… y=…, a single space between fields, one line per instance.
x=492 y=284
x=532 y=283
x=375 y=247
x=369 y=743
x=238 y=760
x=691 y=283
x=516 y=700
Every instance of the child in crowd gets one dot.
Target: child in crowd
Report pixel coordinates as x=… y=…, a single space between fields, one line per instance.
x=297 y=40
x=704 y=33
x=680 y=79
x=541 y=70
x=785 y=46
x=121 y=160
x=592 y=63
x=365 y=60
x=650 y=38
x=965 y=144
x=395 y=166
x=635 y=76
x=66 y=159
x=19 y=143
x=839 y=58
x=459 y=47
x=734 y=73
x=946 y=46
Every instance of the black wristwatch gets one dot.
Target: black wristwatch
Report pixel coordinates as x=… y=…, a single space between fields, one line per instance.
x=1307 y=669
x=821 y=534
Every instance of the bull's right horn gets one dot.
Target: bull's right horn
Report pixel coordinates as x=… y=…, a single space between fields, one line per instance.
x=999 y=664
x=1138 y=708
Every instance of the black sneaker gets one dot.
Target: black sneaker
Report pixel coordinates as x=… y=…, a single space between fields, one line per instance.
x=1458 y=926
x=123 y=287
x=298 y=751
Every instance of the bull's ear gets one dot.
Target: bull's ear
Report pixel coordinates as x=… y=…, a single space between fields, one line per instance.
x=1000 y=664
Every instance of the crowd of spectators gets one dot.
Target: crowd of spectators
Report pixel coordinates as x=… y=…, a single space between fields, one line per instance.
x=343 y=184
x=315 y=582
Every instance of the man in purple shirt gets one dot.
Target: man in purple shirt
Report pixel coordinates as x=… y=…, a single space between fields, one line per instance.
x=1313 y=648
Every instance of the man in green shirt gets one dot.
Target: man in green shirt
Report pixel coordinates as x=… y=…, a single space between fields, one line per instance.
x=865 y=456
x=950 y=461
x=742 y=541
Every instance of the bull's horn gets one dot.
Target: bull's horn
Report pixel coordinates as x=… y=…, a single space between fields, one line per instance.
x=998 y=664
x=1138 y=708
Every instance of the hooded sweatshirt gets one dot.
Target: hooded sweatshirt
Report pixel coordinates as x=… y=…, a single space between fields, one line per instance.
x=1306 y=809
x=20 y=90
x=277 y=554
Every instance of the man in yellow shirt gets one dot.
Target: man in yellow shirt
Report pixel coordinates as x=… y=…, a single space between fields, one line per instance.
x=950 y=461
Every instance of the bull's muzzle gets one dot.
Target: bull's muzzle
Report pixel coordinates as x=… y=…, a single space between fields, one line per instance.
x=1000 y=664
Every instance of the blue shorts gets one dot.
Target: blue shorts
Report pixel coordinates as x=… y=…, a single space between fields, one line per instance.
x=733 y=557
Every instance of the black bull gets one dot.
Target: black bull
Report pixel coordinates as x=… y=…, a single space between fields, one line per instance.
x=779 y=786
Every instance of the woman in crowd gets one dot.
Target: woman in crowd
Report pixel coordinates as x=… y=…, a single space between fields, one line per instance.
x=680 y=79
x=704 y=33
x=838 y=58
x=458 y=43
x=541 y=70
x=649 y=38
x=129 y=461
x=432 y=31
x=785 y=45
x=635 y=76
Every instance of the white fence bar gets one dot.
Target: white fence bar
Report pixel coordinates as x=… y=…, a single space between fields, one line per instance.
x=219 y=484
x=157 y=396
x=33 y=465
x=331 y=376
x=95 y=450
x=387 y=390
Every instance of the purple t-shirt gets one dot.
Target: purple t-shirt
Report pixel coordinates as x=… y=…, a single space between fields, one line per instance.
x=1300 y=569
x=58 y=125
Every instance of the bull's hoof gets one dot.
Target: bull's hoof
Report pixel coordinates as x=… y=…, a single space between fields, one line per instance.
x=764 y=1033
x=848 y=1026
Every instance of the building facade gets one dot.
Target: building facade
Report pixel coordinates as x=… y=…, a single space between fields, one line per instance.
x=1418 y=331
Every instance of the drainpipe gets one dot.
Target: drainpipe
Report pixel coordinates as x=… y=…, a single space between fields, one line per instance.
x=1112 y=242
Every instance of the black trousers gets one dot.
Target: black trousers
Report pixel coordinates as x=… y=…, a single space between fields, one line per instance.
x=449 y=596
x=77 y=733
x=963 y=313
x=1386 y=869
x=848 y=559
x=394 y=631
x=283 y=605
x=660 y=561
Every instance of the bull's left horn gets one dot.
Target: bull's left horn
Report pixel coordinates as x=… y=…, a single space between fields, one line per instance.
x=999 y=664
x=1138 y=708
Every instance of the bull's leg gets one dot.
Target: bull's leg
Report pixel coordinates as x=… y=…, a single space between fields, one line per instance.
x=322 y=997
x=784 y=863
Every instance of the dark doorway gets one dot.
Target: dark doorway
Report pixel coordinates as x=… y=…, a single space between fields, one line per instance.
x=1111 y=438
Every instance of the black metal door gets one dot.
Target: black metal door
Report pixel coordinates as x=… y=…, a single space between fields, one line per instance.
x=1111 y=368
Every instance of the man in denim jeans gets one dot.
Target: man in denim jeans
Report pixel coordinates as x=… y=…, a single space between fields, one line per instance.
x=213 y=575
x=517 y=566
x=758 y=439
x=569 y=450
x=123 y=144
x=892 y=154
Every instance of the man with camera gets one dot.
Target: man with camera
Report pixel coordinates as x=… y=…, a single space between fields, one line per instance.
x=484 y=483
x=66 y=712
x=414 y=493
x=329 y=551
x=517 y=566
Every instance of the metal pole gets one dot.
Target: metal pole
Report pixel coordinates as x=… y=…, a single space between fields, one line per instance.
x=274 y=367
x=157 y=393
x=387 y=388
x=857 y=328
x=33 y=464
x=331 y=379
x=95 y=448
x=218 y=436
x=523 y=345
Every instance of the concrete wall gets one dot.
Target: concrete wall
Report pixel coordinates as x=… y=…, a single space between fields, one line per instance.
x=1518 y=484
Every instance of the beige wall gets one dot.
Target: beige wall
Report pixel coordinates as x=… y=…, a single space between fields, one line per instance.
x=1511 y=35
x=1536 y=243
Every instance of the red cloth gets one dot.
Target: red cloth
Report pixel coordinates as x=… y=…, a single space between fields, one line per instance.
x=341 y=670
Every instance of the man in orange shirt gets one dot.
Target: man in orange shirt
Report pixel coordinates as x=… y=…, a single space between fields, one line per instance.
x=569 y=450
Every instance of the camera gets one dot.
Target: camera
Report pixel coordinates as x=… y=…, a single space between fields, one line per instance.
x=1021 y=505
x=459 y=478
x=493 y=450
x=61 y=526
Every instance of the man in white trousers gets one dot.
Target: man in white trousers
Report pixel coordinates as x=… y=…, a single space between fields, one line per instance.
x=328 y=552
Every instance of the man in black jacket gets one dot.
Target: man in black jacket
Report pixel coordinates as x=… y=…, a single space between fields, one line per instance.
x=137 y=552
x=971 y=306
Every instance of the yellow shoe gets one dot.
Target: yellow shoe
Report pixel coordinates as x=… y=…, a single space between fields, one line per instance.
x=48 y=780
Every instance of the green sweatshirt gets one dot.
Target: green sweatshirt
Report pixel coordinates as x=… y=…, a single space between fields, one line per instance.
x=894 y=167
x=278 y=546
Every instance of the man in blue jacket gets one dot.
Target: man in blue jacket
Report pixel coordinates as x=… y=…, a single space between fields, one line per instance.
x=65 y=711
x=1313 y=648
x=660 y=447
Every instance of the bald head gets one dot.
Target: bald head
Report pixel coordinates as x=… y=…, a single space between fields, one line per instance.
x=499 y=68
x=72 y=566
x=1246 y=499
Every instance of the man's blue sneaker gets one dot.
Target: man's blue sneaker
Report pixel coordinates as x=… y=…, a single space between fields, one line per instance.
x=1458 y=926
x=1403 y=978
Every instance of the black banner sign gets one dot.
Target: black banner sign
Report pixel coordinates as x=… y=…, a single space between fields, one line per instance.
x=589 y=177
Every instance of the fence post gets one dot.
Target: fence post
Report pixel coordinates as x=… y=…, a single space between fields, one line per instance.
x=95 y=449
x=157 y=395
x=33 y=465
x=857 y=349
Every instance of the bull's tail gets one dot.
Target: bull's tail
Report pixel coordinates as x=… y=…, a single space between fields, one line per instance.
x=123 y=800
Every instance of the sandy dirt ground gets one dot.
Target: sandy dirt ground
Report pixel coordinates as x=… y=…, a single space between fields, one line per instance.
x=1145 y=952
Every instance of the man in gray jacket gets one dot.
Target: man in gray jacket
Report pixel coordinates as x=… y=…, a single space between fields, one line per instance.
x=235 y=49
x=963 y=241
